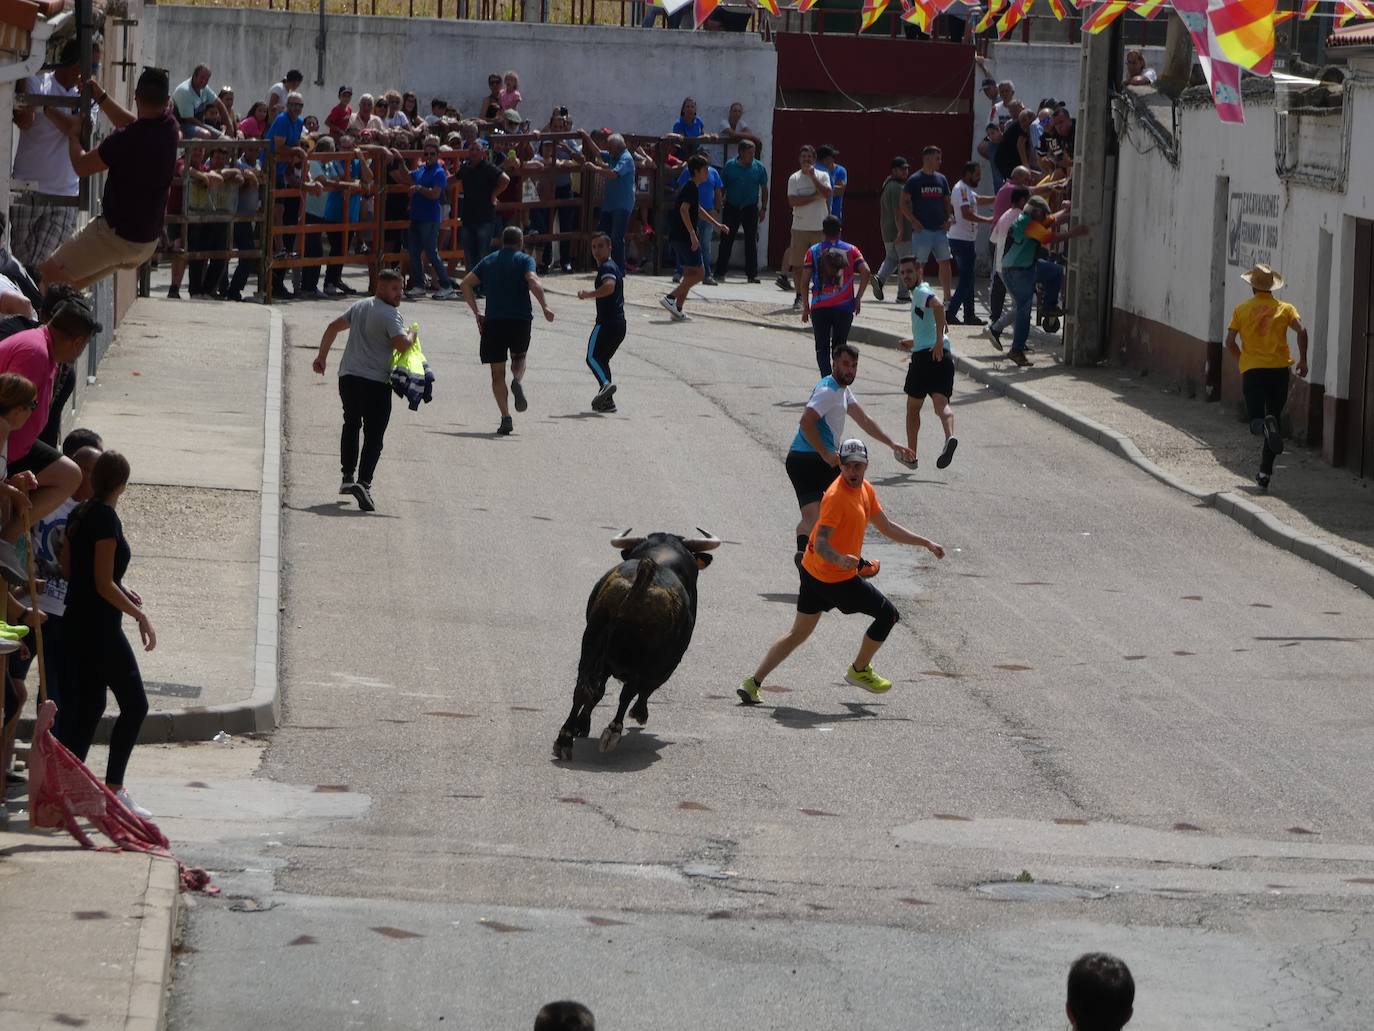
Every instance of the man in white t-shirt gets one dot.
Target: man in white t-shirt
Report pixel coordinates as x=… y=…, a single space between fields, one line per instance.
x=735 y=129
x=276 y=96
x=997 y=295
x=963 y=241
x=808 y=195
x=813 y=461
x=42 y=216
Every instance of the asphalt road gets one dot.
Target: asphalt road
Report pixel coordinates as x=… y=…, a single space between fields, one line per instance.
x=1162 y=721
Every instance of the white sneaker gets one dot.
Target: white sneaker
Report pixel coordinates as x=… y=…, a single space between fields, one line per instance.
x=123 y=795
x=444 y=295
x=668 y=302
x=414 y=293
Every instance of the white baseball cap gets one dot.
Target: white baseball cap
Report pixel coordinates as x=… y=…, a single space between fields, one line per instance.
x=853 y=450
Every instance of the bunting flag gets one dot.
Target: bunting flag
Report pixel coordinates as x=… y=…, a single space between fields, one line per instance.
x=1223 y=77
x=1147 y=8
x=771 y=6
x=1244 y=30
x=918 y=13
x=805 y=5
x=1104 y=15
x=1013 y=14
x=1356 y=9
x=702 y=10
x=1309 y=8
x=872 y=11
x=994 y=6
x=1057 y=7
x=672 y=6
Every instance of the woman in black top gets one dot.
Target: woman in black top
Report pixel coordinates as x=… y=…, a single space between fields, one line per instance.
x=94 y=560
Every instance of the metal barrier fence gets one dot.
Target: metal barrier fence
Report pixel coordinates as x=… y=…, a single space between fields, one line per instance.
x=282 y=236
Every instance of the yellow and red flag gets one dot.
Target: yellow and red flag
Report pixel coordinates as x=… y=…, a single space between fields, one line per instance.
x=805 y=5
x=1309 y=8
x=702 y=10
x=918 y=13
x=1147 y=8
x=872 y=11
x=1057 y=7
x=1356 y=9
x=1013 y=14
x=1105 y=14
x=1244 y=31
x=771 y=6
x=994 y=6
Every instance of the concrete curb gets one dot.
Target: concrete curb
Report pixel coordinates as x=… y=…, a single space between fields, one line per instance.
x=1254 y=518
x=152 y=962
x=263 y=708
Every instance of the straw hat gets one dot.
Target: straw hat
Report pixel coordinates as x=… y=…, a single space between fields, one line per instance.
x=1262 y=277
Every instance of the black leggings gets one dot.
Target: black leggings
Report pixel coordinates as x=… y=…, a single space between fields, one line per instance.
x=366 y=407
x=831 y=328
x=849 y=596
x=1266 y=392
x=606 y=338
x=104 y=661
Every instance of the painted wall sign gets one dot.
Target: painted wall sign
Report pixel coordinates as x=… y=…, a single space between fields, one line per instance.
x=1252 y=228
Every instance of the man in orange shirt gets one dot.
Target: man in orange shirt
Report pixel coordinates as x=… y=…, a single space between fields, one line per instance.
x=834 y=576
x=1263 y=323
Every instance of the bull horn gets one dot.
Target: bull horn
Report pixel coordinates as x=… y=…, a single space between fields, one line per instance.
x=707 y=542
x=626 y=541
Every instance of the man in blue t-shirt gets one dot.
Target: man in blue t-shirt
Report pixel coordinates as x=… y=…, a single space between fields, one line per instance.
x=507 y=278
x=427 y=186
x=283 y=145
x=932 y=364
x=746 y=206
x=711 y=190
x=617 y=166
x=827 y=155
x=926 y=205
x=813 y=461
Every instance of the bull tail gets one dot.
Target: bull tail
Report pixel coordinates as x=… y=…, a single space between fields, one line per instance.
x=644 y=576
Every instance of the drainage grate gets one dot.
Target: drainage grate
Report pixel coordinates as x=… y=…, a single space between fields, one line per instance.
x=1029 y=891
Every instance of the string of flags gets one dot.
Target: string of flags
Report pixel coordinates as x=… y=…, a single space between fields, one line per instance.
x=1230 y=35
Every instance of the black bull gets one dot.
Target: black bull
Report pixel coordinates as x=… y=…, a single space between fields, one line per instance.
x=640 y=618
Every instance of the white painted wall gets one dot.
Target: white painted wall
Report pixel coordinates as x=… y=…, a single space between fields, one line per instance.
x=1166 y=218
x=628 y=79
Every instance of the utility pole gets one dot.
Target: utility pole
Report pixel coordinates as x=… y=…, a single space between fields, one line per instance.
x=1094 y=198
x=319 y=48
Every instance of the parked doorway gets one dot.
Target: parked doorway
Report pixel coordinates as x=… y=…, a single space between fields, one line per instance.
x=1360 y=435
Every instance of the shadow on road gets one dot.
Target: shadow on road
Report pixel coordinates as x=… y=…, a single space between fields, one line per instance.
x=342 y=507
x=782 y=599
x=638 y=750
x=806 y=719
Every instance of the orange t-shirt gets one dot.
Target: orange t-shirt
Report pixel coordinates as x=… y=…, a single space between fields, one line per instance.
x=846 y=510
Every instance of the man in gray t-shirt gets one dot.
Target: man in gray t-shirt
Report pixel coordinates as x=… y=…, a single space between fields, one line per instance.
x=375 y=331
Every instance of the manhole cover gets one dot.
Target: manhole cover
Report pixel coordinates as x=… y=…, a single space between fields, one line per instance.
x=1029 y=891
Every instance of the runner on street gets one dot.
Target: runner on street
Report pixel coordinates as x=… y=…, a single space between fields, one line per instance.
x=609 y=332
x=835 y=576
x=932 y=365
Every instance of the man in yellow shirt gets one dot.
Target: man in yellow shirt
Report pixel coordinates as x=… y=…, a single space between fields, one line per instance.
x=1262 y=324
x=834 y=576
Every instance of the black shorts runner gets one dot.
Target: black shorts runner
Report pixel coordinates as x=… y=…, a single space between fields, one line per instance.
x=810 y=475
x=504 y=336
x=849 y=596
x=926 y=376
x=39 y=457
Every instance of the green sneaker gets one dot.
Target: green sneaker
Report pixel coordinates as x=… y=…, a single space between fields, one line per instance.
x=749 y=691
x=13 y=633
x=868 y=680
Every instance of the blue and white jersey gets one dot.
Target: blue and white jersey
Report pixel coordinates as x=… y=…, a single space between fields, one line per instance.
x=831 y=402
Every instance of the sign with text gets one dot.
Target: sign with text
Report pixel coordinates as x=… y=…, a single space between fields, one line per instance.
x=1252 y=229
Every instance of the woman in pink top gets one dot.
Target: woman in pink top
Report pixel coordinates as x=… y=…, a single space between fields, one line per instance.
x=510 y=96
x=255 y=124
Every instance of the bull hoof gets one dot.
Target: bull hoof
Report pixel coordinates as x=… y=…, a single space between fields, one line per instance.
x=610 y=737
x=584 y=727
x=640 y=713
x=563 y=749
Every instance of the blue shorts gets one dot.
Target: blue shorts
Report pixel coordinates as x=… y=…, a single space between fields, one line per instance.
x=686 y=257
x=927 y=243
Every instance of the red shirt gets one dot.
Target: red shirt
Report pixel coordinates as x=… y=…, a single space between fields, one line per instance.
x=338 y=118
x=30 y=355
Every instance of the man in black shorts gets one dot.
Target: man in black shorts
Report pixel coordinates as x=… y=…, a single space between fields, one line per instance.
x=812 y=462
x=932 y=366
x=507 y=279
x=835 y=576
x=683 y=218
x=609 y=332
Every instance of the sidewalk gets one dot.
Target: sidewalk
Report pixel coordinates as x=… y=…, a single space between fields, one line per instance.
x=189 y=393
x=87 y=936
x=1322 y=513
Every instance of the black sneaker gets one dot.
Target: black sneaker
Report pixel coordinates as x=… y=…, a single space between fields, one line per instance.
x=1263 y=482
x=347 y=485
x=603 y=396
x=506 y=428
x=518 y=392
x=751 y=279
x=877 y=285
x=783 y=283
x=607 y=409
x=363 y=493
x=951 y=319
x=972 y=320
x=174 y=293
x=233 y=295
x=996 y=338
x=947 y=455
x=1273 y=436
